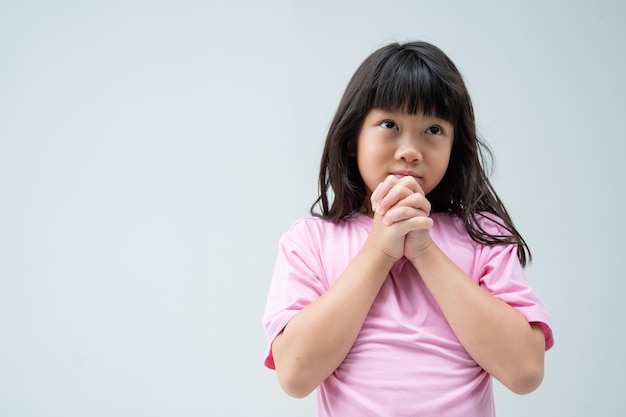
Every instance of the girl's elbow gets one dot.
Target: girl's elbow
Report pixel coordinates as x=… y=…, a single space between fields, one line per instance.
x=527 y=375
x=290 y=372
x=294 y=384
x=525 y=381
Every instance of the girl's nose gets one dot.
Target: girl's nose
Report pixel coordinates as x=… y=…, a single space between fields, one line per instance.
x=409 y=152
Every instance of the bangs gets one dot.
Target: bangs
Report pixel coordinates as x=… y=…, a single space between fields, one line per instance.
x=406 y=83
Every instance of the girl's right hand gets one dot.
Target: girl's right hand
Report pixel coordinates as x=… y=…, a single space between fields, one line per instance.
x=399 y=207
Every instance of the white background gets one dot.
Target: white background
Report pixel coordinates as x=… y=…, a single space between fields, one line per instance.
x=153 y=152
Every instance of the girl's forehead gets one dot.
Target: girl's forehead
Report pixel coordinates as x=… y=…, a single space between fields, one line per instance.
x=406 y=110
x=403 y=113
x=431 y=100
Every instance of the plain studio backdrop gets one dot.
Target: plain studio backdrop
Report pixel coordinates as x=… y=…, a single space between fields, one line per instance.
x=153 y=152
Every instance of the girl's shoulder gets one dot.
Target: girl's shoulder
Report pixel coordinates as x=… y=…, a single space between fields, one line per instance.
x=319 y=223
x=450 y=228
x=486 y=221
x=317 y=229
x=326 y=243
x=492 y=224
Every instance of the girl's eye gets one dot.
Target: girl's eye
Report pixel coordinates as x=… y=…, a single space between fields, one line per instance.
x=388 y=124
x=434 y=130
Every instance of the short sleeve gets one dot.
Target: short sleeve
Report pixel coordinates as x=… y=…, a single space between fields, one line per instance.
x=503 y=277
x=296 y=282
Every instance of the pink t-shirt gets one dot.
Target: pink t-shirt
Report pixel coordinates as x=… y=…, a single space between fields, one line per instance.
x=406 y=361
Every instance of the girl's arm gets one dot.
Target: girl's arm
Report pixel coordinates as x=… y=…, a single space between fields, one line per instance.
x=317 y=339
x=496 y=335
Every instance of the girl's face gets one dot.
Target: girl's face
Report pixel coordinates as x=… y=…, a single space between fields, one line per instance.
x=397 y=143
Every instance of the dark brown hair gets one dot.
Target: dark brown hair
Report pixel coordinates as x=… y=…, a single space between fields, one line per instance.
x=412 y=77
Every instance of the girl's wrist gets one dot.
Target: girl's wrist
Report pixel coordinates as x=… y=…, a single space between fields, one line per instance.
x=379 y=255
x=421 y=252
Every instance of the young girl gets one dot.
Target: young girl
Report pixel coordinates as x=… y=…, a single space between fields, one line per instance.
x=405 y=293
